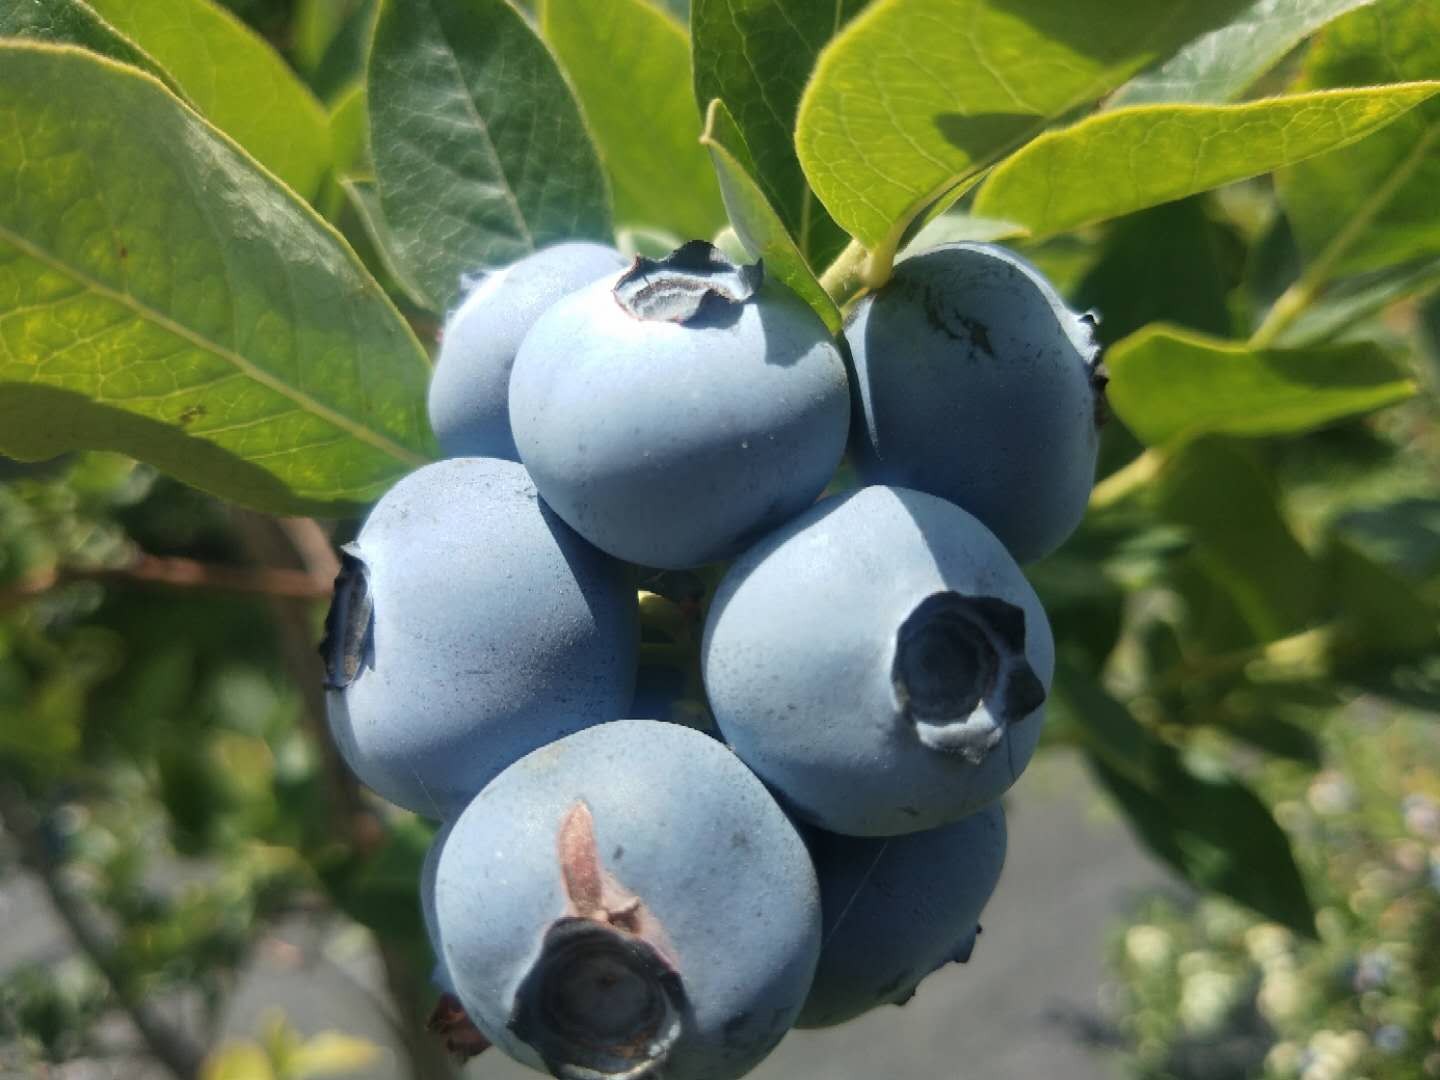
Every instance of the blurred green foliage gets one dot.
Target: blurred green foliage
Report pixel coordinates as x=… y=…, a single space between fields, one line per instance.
x=156 y=737
x=1209 y=991
x=1246 y=624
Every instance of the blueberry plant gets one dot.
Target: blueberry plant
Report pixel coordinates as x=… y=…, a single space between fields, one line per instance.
x=736 y=433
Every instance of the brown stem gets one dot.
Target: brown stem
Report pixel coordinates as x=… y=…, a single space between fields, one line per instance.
x=169 y=1045
x=176 y=573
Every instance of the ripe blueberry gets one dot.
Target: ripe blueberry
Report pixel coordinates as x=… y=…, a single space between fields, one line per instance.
x=880 y=662
x=629 y=902
x=977 y=384
x=673 y=413
x=470 y=386
x=898 y=908
x=470 y=625
x=428 y=869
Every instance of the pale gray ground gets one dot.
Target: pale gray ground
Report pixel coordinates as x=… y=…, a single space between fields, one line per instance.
x=1028 y=1005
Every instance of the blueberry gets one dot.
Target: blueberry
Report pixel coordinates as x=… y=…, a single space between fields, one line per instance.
x=977 y=384
x=897 y=909
x=470 y=625
x=448 y=1019
x=626 y=902
x=470 y=385
x=880 y=662
x=428 y=869
x=675 y=412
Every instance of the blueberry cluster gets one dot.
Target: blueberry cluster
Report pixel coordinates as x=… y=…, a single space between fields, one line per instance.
x=632 y=897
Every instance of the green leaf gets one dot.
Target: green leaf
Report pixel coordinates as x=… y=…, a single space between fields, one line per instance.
x=480 y=152
x=913 y=96
x=1169 y=385
x=1252 y=714
x=1373 y=203
x=756 y=223
x=1229 y=505
x=1164 y=264
x=1218 y=835
x=166 y=298
x=313 y=27
x=755 y=55
x=1082 y=598
x=1401 y=534
x=236 y=79
x=1221 y=65
x=349 y=133
x=363 y=196
x=1104 y=726
x=1116 y=162
x=1347 y=302
x=1380 y=612
x=1214 y=625
x=327 y=41
x=645 y=123
x=76 y=23
x=957 y=226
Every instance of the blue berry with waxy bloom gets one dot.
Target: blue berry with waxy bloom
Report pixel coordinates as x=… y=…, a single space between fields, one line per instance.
x=880 y=662
x=470 y=386
x=447 y=1019
x=428 y=869
x=675 y=412
x=629 y=902
x=977 y=384
x=898 y=908
x=470 y=625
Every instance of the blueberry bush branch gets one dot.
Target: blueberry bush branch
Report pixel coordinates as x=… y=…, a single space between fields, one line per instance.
x=170 y=1044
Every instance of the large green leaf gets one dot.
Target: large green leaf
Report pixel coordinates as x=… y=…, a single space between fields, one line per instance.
x=915 y=95
x=1169 y=385
x=756 y=223
x=755 y=55
x=1217 y=834
x=236 y=79
x=165 y=297
x=1229 y=506
x=1373 y=203
x=1221 y=65
x=1116 y=162
x=480 y=152
x=76 y=23
x=645 y=121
